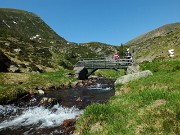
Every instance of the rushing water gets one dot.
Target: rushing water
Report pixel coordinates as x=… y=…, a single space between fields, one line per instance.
x=36 y=114
x=40 y=116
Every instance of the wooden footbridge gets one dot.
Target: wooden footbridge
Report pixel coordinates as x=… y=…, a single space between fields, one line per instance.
x=84 y=64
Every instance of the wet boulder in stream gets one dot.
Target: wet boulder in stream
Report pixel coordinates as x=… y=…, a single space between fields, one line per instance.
x=48 y=102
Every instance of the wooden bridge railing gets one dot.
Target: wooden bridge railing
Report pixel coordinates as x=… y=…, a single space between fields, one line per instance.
x=103 y=63
x=83 y=65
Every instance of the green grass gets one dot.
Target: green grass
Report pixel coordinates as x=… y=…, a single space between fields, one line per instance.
x=13 y=84
x=50 y=79
x=146 y=106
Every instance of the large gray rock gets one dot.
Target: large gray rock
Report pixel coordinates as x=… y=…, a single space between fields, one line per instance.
x=14 y=69
x=134 y=76
x=133 y=69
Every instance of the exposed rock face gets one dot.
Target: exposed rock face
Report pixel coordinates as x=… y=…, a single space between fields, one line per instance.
x=14 y=69
x=4 y=62
x=135 y=76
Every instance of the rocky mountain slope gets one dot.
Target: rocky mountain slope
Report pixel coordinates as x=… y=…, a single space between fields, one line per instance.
x=27 y=42
x=156 y=43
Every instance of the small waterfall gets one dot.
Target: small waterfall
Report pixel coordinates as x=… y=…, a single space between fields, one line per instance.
x=40 y=116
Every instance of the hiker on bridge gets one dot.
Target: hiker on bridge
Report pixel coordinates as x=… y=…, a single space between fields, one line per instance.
x=128 y=54
x=116 y=56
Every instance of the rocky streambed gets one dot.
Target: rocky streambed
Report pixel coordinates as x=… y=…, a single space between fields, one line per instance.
x=55 y=111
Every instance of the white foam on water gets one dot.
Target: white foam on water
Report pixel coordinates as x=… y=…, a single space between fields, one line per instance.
x=43 y=117
x=98 y=86
x=6 y=109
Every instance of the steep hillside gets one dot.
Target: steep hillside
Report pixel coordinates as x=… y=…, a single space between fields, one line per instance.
x=156 y=43
x=26 y=40
x=29 y=43
x=26 y=26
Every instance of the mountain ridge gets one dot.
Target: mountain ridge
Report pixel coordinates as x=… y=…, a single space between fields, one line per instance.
x=156 y=43
x=162 y=30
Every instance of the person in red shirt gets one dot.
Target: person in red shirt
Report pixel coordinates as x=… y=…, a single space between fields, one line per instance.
x=115 y=56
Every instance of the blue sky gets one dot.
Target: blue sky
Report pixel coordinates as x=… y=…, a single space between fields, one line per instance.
x=107 y=21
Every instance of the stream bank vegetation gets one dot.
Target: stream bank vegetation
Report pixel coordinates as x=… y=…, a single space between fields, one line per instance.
x=14 y=85
x=145 y=106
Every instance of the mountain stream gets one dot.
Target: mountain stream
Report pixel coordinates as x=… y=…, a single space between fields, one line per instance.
x=53 y=113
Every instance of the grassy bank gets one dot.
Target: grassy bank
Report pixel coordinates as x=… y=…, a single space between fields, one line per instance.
x=14 y=84
x=147 y=106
